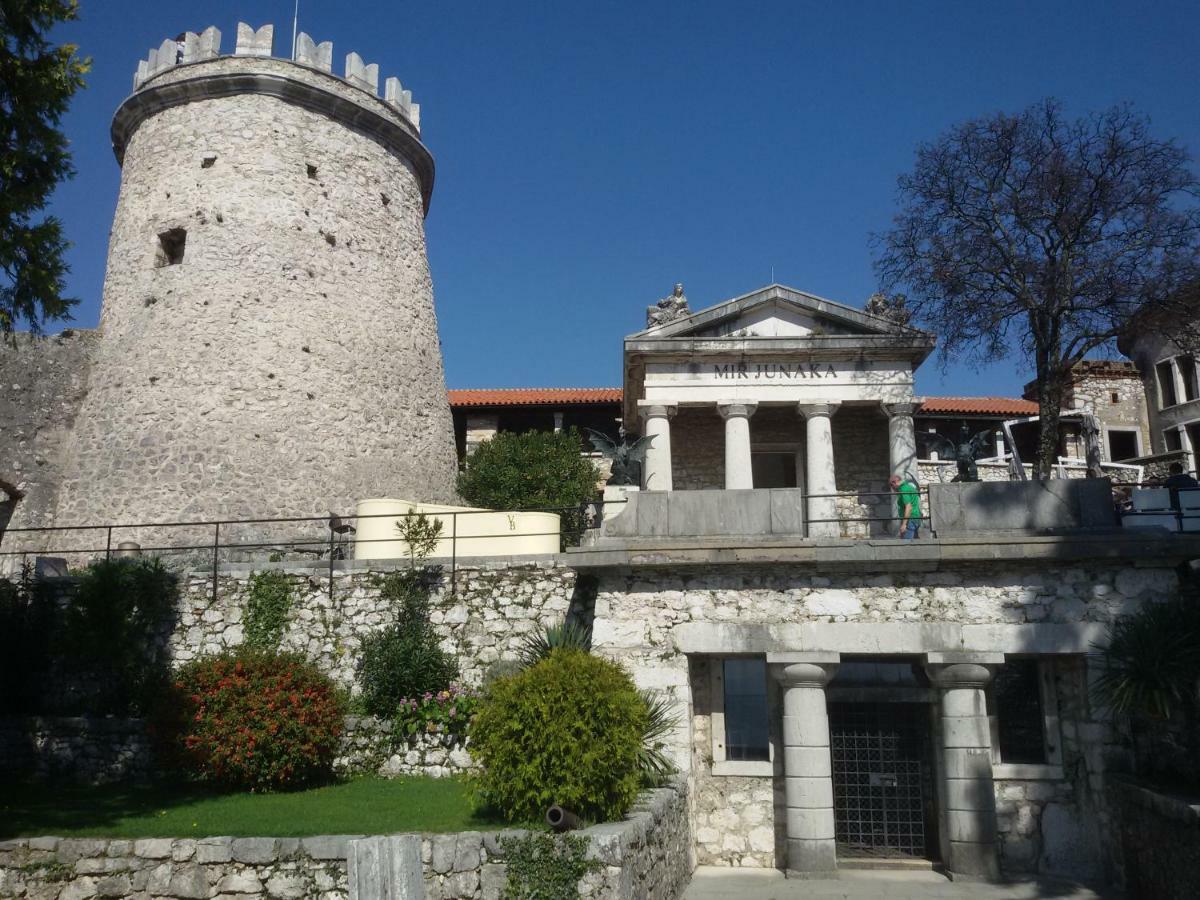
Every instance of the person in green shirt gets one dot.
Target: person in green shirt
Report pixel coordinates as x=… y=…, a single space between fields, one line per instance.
x=908 y=507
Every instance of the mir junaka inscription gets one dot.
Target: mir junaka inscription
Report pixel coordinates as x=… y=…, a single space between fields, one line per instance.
x=768 y=370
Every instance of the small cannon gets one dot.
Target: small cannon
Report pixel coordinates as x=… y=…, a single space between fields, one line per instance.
x=561 y=819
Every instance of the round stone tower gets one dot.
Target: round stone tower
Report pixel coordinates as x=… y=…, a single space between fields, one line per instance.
x=268 y=345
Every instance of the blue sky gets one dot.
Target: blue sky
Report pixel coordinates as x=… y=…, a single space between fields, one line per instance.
x=590 y=154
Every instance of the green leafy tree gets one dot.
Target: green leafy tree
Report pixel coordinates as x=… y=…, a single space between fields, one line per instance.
x=532 y=470
x=1041 y=234
x=37 y=81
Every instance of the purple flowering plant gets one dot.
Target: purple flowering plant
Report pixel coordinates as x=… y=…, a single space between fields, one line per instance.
x=447 y=713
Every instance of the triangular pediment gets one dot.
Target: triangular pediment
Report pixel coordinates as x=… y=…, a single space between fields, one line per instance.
x=774 y=312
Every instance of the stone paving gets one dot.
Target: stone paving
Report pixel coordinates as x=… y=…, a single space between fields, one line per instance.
x=716 y=883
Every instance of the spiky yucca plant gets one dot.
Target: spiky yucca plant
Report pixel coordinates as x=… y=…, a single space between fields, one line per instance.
x=569 y=635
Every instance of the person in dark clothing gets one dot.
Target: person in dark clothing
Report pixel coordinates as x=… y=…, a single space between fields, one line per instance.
x=1179 y=480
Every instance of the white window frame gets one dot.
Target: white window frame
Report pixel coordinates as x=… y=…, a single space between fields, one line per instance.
x=1051 y=769
x=1123 y=428
x=721 y=765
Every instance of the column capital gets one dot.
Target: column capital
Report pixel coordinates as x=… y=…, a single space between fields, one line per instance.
x=893 y=410
x=657 y=409
x=739 y=409
x=825 y=408
x=804 y=674
x=960 y=675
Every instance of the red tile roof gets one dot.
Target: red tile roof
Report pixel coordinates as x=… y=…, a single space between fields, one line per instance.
x=979 y=406
x=533 y=396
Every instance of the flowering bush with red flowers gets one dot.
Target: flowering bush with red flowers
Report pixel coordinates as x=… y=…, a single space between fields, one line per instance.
x=447 y=713
x=252 y=720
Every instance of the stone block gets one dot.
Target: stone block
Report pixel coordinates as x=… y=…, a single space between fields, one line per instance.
x=71 y=850
x=153 y=848
x=811 y=858
x=113 y=886
x=468 y=851
x=1030 y=506
x=810 y=824
x=971 y=826
x=240 y=883
x=214 y=850
x=443 y=851
x=287 y=886
x=386 y=868
x=808 y=792
x=811 y=761
x=328 y=846
x=492 y=880
x=189 y=882
x=256 y=851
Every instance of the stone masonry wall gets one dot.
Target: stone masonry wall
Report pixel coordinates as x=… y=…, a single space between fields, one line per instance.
x=636 y=613
x=482 y=615
x=1160 y=838
x=644 y=857
x=303 y=296
x=89 y=750
x=51 y=868
x=42 y=383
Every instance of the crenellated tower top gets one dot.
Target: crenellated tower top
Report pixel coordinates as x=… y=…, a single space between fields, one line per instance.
x=191 y=68
x=192 y=48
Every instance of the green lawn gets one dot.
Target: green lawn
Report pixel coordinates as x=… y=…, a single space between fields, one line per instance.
x=361 y=806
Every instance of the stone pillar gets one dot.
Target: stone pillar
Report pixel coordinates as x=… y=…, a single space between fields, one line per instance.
x=807 y=769
x=968 y=798
x=656 y=471
x=819 y=475
x=902 y=439
x=738 y=472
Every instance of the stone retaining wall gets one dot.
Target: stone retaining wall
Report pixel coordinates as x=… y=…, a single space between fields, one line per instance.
x=1160 y=843
x=102 y=750
x=482 y=614
x=646 y=857
x=50 y=868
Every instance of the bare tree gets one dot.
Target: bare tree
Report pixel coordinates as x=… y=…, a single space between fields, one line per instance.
x=1033 y=233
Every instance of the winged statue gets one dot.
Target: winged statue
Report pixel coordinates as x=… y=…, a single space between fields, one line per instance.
x=627 y=457
x=964 y=451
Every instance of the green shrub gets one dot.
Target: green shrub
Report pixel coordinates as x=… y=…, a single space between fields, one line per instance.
x=115 y=628
x=405 y=659
x=28 y=617
x=567 y=730
x=542 y=866
x=268 y=601
x=446 y=713
x=532 y=470
x=251 y=720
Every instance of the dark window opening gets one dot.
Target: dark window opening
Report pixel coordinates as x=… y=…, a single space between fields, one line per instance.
x=1166 y=384
x=170 y=247
x=1116 y=398
x=1122 y=445
x=1172 y=439
x=1015 y=702
x=1187 y=372
x=312 y=171
x=746 y=731
x=208 y=161
x=773 y=470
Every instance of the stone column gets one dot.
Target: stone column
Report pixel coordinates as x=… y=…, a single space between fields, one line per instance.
x=968 y=798
x=656 y=472
x=807 y=769
x=819 y=475
x=902 y=439
x=738 y=472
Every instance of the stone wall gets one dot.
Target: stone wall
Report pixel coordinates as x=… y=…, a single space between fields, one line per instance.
x=1160 y=842
x=368 y=747
x=83 y=749
x=644 y=857
x=483 y=614
x=50 y=868
x=42 y=383
x=1050 y=821
x=737 y=820
x=1093 y=386
x=303 y=295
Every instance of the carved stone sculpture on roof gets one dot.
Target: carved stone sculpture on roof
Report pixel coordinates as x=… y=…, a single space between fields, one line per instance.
x=891 y=307
x=668 y=309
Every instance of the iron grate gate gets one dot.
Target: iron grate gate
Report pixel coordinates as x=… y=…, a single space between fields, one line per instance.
x=882 y=779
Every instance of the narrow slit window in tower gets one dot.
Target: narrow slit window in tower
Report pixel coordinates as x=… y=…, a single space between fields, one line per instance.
x=170 y=247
